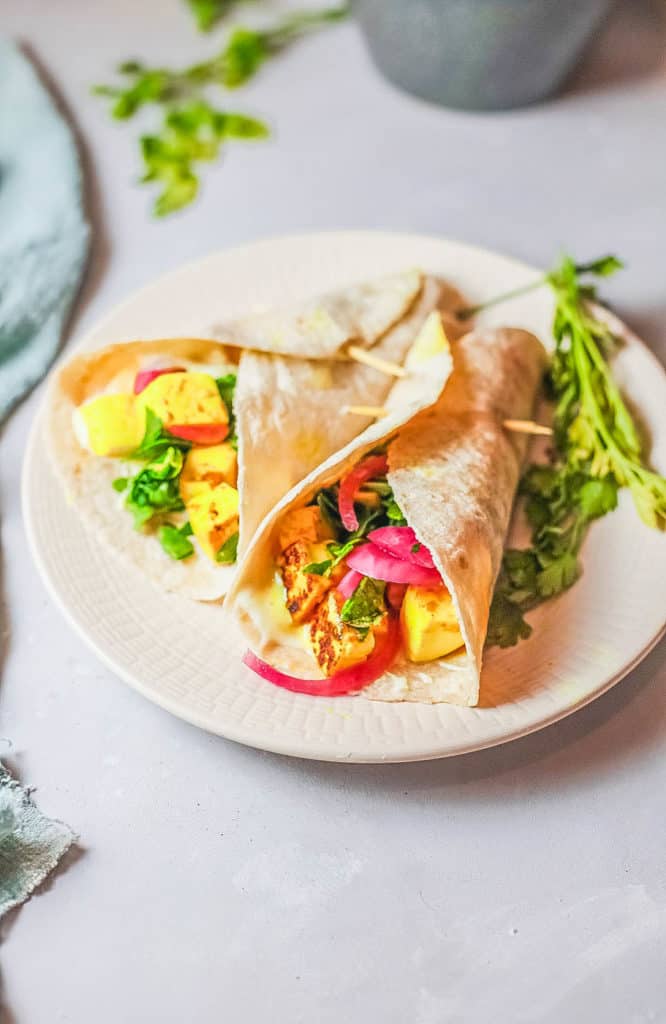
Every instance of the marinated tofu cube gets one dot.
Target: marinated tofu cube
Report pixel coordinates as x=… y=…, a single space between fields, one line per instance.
x=205 y=468
x=304 y=590
x=214 y=517
x=429 y=623
x=184 y=398
x=335 y=644
x=302 y=524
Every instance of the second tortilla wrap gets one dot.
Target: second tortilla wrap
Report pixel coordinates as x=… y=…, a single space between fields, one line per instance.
x=454 y=472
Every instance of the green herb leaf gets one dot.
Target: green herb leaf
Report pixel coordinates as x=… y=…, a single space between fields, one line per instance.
x=175 y=542
x=366 y=605
x=318 y=568
x=229 y=550
x=226 y=385
x=156 y=440
x=154 y=490
x=193 y=130
x=506 y=625
x=120 y=483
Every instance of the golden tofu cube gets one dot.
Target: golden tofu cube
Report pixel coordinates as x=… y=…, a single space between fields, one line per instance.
x=113 y=424
x=303 y=524
x=304 y=590
x=184 y=398
x=429 y=623
x=206 y=468
x=335 y=644
x=430 y=341
x=214 y=517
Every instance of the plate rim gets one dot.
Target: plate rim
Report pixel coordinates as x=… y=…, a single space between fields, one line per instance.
x=231 y=731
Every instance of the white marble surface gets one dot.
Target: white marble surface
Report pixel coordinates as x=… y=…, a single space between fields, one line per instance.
x=523 y=884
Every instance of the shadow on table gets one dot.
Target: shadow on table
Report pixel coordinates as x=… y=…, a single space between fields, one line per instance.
x=625 y=723
x=629 y=48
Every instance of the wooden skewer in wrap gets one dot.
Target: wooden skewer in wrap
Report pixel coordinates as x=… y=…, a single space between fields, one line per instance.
x=516 y=426
x=528 y=427
x=362 y=356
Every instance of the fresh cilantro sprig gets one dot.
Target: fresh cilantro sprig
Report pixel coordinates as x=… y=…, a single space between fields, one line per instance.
x=157 y=440
x=193 y=130
x=597 y=451
x=207 y=13
x=154 y=490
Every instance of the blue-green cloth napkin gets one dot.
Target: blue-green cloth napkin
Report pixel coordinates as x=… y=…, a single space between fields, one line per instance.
x=43 y=232
x=43 y=248
x=30 y=844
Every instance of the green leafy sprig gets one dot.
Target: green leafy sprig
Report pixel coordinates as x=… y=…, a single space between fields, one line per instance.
x=597 y=451
x=207 y=13
x=193 y=130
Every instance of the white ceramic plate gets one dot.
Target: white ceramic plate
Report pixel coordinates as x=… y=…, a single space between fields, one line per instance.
x=184 y=657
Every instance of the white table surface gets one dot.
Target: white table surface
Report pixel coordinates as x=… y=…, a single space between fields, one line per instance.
x=522 y=884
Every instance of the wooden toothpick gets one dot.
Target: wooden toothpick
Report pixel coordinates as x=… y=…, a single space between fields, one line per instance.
x=361 y=356
x=528 y=427
x=366 y=410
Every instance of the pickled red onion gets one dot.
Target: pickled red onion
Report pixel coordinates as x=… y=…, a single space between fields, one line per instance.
x=371 y=560
x=399 y=541
x=145 y=377
x=349 y=583
x=374 y=465
x=350 y=680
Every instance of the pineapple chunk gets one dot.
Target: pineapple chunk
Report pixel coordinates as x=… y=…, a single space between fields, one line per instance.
x=304 y=590
x=303 y=524
x=336 y=645
x=429 y=623
x=179 y=398
x=113 y=425
x=430 y=341
x=214 y=517
x=205 y=468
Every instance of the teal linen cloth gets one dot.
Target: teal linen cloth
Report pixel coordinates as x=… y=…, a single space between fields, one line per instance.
x=43 y=248
x=43 y=232
x=30 y=844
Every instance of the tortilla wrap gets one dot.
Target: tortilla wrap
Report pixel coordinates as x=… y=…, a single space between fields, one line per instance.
x=290 y=413
x=320 y=327
x=454 y=471
x=288 y=420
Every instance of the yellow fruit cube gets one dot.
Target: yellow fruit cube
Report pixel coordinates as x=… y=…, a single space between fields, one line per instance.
x=430 y=341
x=335 y=644
x=429 y=623
x=206 y=468
x=113 y=424
x=214 y=517
x=184 y=398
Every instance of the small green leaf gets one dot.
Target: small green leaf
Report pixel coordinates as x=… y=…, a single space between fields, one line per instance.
x=506 y=625
x=174 y=542
x=156 y=440
x=597 y=497
x=365 y=605
x=318 y=568
x=229 y=550
x=120 y=483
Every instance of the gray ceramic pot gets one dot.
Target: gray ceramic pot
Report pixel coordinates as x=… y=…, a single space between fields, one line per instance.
x=478 y=54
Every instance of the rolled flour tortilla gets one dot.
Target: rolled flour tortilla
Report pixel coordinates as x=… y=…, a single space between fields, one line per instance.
x=454 y=471
x=289 y=419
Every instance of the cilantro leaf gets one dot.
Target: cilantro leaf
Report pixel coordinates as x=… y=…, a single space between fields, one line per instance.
x=157 y=440
x=229 y=550
x=366 y=605
x=120 y=483
x=226 y=385
x=506 y=625
x=318 y=568
x=193 y=130
x=174 y=541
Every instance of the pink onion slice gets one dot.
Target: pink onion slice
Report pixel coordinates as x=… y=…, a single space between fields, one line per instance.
x=374 y=465
x=349 y=583
x=350 y=680
x=371 y=560
x=145 y=377
x=399 y=541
